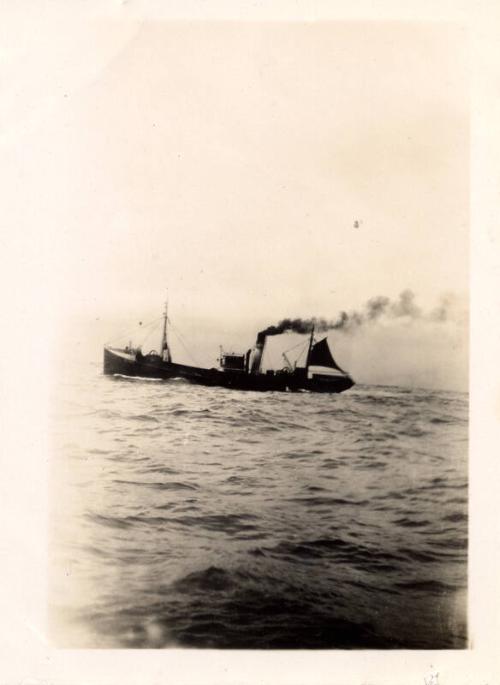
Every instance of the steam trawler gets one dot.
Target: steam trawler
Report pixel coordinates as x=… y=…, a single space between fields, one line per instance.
x=238 y=371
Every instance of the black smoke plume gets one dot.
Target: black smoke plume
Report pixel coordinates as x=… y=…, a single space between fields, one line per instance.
x=376 y=308
x=446 y=308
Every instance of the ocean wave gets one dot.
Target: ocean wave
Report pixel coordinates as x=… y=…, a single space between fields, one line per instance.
x=224 y=523
x=172 y=485
x=332 y=501
x=200 y=517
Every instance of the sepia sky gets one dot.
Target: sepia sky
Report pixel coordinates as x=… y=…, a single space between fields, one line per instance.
x=229 y=162
x=257 y=170
x=83 y=233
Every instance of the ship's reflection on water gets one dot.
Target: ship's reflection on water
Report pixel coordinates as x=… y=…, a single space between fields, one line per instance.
x=205 y=517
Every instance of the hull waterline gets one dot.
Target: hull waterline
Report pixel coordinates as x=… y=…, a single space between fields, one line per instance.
x=126 y=363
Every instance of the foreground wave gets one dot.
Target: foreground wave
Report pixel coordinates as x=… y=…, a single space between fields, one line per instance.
x=204 y=517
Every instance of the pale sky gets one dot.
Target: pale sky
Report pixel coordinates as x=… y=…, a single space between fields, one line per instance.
x=229 y=163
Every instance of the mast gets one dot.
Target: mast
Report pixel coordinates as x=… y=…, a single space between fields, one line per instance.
x=165 y=351
x=311 y=339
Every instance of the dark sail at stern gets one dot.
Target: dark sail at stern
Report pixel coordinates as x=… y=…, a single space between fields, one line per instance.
x=321 y=356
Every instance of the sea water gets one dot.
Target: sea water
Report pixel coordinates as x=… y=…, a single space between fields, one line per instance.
x=185 y=516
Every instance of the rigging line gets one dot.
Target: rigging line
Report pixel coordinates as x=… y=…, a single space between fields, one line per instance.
x=303 y=351
x=152 y=331
x=127 y=331
x=179 y=337
x=302 y=342
x=152 y=326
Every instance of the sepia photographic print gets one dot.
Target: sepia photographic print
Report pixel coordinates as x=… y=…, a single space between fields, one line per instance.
x=304 y=486
x=258 y=418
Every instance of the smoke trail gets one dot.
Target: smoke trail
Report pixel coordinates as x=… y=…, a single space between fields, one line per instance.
x=447 y=308
x=375 y=309
x=406 y=306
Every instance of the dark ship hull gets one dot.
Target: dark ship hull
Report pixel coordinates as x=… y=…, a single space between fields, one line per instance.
x=130 y=363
